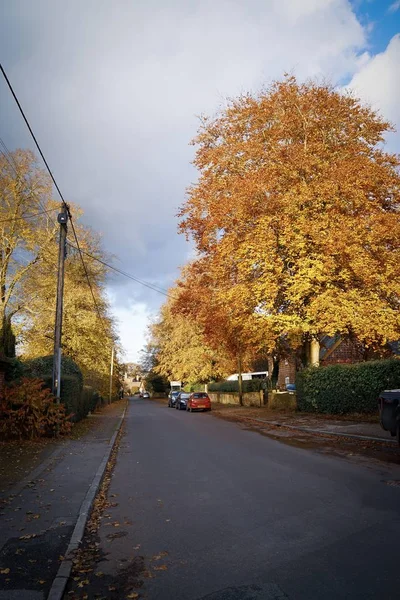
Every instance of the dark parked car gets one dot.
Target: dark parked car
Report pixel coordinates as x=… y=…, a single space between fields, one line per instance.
x=172 y=399
x=146 y=395
x=198 y=401
x=181 y=400
x=389 y=412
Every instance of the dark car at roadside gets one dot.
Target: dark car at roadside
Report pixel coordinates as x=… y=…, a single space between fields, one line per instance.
x=182 y=400
x=198 y=401
x=172 y=399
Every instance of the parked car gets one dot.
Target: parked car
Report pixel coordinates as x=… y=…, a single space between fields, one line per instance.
x=146 y=395
x=389 y=412
x=181 y=400
x=198 y=401
x=172 y=399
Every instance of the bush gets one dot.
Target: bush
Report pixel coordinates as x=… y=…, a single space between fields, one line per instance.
x=70 y=393
x=14 y=369
x=42 y=367
x=28 y=411
x=88 y=401
x=342 y=389
x=254 y=385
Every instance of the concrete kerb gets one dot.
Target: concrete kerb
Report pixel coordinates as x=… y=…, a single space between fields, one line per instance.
x=61 y=579
x=323 y=431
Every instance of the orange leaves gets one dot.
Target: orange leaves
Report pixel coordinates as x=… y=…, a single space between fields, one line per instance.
x=295 y=218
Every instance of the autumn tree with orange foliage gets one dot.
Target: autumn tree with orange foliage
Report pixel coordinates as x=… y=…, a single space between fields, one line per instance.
x=295 y=218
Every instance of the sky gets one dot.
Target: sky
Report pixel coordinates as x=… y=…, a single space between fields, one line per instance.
x=114 y=89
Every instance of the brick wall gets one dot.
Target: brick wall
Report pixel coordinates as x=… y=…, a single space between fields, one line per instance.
x=346 y=352
x=287 y=368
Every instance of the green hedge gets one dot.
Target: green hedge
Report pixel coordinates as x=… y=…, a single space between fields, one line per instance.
x=194 y=387
x=42 y=367
x=14 y=369
x=341 y=389
x=254 y=385
x=88 y=401
x=71 y=390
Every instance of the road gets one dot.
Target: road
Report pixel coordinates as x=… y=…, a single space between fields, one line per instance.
x=208 y=510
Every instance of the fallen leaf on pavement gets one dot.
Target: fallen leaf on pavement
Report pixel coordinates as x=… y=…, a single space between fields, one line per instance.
x=28 y=536
x=161 y=568
x=133 y=595
x=159 y=556
x=5 y=571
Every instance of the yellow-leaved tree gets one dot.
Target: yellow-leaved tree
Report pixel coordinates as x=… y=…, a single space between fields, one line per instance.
x=28 y=275
x=27 y=232
x=181 y=349
x=295 y=215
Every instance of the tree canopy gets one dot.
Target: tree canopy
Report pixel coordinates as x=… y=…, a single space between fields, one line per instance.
x=28 y=274
x=181 y=350
x=295 y=216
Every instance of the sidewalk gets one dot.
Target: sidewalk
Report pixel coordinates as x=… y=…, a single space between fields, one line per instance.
x=40 y=513
x=361 y=428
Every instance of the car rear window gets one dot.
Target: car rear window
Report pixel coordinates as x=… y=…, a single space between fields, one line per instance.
x=200 y=395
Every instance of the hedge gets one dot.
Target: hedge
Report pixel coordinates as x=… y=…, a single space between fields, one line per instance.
x=342 y=389
x=254 y=385
x=42 y=367
x=88 y=401
x=194 y=387
x=70 y=394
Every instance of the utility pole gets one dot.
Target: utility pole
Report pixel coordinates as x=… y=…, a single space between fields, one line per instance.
x=62 y=249
x=111 y=372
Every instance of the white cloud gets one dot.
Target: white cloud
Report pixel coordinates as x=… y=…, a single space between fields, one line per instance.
x=112 y=90
x=133 y=321
x=378 y=84
x=394 y=7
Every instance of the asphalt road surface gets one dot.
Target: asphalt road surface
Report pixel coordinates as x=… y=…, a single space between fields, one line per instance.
x=208 y=510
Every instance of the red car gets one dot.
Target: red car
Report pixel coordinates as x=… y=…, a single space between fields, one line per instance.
x=198 y=401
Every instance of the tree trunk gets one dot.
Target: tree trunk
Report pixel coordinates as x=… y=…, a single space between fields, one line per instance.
x=314 y=352
x=240 y=378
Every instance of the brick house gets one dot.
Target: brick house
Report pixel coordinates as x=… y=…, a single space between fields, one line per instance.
x=333 y=351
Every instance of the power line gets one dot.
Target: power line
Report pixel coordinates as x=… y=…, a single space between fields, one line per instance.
x=33 y=136
x=58 y=190
x=44 y=212
x=128 y=275
x=81 y=252
x=11 y=161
